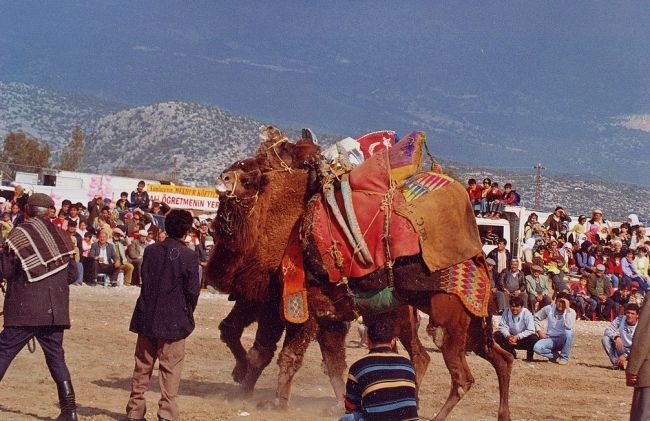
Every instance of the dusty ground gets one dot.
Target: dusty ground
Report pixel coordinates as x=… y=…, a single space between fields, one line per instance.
x=99 y=351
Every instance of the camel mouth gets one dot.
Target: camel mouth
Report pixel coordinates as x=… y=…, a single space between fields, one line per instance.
x=221 y=187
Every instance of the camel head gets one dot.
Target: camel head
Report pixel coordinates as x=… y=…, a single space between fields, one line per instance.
x=243 y=179
x=276 y=152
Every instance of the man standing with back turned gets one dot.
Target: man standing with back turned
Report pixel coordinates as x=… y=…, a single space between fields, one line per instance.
x=38 y=265
x=163 y=317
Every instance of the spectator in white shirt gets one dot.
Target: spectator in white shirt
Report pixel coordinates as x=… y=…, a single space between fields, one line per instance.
x=517 y=329
x=617 y=338
x=557 y=340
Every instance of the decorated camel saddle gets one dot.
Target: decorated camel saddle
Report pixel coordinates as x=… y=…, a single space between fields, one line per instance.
x=384 y=208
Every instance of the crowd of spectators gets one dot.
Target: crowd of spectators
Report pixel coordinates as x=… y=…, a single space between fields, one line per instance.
x=110 y=237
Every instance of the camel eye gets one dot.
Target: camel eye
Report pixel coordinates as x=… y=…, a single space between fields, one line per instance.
x=226 y=178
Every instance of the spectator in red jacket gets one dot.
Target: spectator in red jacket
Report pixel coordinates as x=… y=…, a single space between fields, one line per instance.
x=474 y=190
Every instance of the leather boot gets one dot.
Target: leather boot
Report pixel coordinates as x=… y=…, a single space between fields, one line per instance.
x=66 y=402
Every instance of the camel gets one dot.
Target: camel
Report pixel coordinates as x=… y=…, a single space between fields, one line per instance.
x=250 y=233
x=330 y=304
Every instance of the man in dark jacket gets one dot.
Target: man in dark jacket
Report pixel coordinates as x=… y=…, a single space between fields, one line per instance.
x=163 y=316
x=37 y=263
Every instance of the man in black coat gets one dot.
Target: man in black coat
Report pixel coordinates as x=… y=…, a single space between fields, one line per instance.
x=38 y=265
x=163 y=316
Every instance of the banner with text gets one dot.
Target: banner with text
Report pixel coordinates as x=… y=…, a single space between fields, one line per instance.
x=181 y=197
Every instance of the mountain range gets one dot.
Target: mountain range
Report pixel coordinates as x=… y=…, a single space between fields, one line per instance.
x=204 y=140
x=495 y=84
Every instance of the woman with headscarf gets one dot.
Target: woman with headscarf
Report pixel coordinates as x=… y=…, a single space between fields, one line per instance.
x=595 y=224
x=528 y=226
x=584 y=259
x=555 y=265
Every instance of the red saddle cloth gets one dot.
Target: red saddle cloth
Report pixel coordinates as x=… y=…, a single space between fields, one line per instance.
x=370 y=187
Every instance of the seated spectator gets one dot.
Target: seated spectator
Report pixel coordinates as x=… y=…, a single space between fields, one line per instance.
x=512 y=282
x=517 y=329
x=555 y=266
x=619 y=299
x=139 y=197
x=501 y=255
x=510 y=196
x=5 y=225
x=134 y=252
x=159 y=208
x=630 y=273
x=61 y=221
x=617 y=338
x=162 y=236
x=614 y=270
x=537 y=288
x=381 y=385
x=557 y=340
x=495 y=201
x=104 y=258
x=584 y=259
x=599 y=289
x=17 y=217
x=123 y=204
x=641 y=262
x=636 y=296
x=474 y=191
x=74 y=215
x=579 y=230
x=582 y=300
x=77 y=242
x=557 y=221
x=120 y=242
x=485 y=191
x=490 y=238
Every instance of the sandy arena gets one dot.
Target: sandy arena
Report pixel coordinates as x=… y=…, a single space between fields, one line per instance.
x=99 y=352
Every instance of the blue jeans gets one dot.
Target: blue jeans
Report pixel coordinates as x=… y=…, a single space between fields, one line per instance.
x=614 y=280
x=612 y=352
x=555 y=346
x=484 y=206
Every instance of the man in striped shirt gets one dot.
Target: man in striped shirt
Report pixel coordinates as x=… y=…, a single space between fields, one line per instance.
x=381 y=385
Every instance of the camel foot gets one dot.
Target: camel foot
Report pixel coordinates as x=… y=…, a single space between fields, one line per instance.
x=239 y=372
x=277 y=404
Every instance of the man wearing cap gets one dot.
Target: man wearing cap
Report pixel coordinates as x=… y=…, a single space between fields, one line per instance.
x=537 y=288
x=36 y=262
x=512 y=282
x=104 y=258
x=600 y=287
x=498 y=297
x=120 y=242
x=556 y=340
x=135 y=251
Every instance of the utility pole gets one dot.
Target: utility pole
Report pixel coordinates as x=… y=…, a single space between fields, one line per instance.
x=538 y=185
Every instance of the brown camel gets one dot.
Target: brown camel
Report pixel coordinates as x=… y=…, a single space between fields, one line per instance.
x=253 y=224
x=462 y=330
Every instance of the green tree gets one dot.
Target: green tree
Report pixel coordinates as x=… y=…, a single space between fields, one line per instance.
x=74 y=151
x=23 y=153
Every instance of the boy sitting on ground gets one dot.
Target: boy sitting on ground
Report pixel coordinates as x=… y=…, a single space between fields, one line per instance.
x=381 y=385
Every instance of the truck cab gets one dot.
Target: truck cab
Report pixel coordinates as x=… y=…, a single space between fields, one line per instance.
x=510 y=226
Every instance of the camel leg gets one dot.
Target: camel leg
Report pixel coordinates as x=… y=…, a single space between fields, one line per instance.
x=296 y=342
x=408 y=336
x=231 y=328
x=482 y=344
x=449 y=313
x=269 y=330
x=331 y=338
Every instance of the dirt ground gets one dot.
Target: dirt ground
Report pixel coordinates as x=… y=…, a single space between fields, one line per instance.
x=99 y=352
